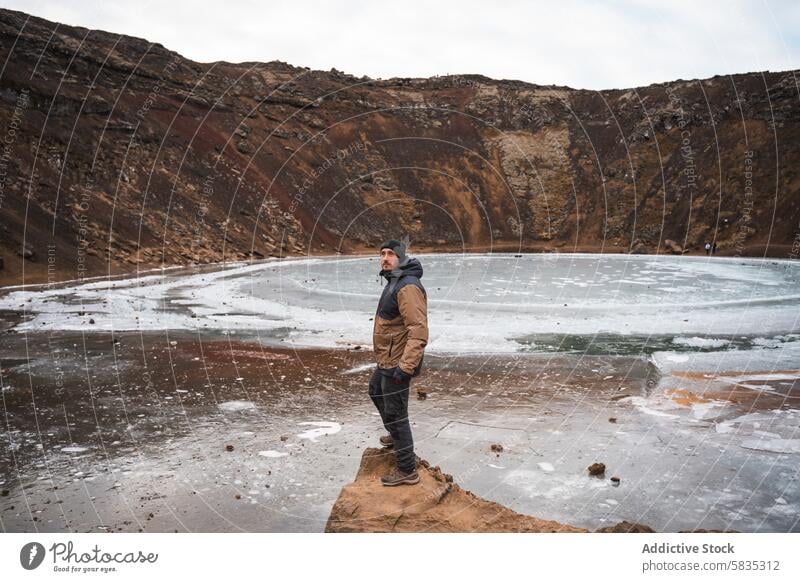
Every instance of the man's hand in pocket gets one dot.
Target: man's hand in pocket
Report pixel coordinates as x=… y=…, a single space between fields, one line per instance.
x=399 y=376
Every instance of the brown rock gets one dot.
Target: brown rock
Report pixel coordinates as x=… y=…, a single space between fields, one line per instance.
x=597 y=469
x=27 y=252
x=435 y=504
x=497 y=448
x=626 y=527
x=673 y=246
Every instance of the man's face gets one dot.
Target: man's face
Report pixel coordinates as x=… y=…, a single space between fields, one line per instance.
x=389 y=260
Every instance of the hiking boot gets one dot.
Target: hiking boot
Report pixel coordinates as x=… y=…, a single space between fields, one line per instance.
x=397 y=477
x=387 y=441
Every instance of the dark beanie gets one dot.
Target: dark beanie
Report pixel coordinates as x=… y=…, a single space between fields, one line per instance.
x=397 y=247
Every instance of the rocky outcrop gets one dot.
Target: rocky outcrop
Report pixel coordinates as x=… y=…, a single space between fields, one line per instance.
x=435 y=504
x=119 y=154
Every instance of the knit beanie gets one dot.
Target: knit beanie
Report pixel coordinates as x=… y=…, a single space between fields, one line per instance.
x=397 y=247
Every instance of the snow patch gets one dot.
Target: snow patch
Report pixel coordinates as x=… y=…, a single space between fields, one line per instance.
x=237 y=405
x=272 y=454
x=700 y=342
x=773 y=445
x=325 y=428
x=358 y=369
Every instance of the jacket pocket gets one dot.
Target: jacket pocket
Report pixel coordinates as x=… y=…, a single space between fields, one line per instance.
x=397 y=346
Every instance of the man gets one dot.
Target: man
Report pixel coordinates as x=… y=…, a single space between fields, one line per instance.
x=399 y=337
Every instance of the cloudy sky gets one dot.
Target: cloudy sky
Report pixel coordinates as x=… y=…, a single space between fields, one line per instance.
x=581 y=43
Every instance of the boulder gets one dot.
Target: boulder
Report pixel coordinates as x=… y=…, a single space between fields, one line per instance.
x=639 y=248
x=27 y=252
x=674 y=247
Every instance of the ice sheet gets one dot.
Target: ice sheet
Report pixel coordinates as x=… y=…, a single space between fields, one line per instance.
x=477 y=303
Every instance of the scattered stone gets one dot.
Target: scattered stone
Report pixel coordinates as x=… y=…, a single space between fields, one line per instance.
x=284 y=437
x=497 y=448
x=421 y=394
x=615 y=480
x=4 y=493
x=26 y=252
x=613 y=420
x=597 y=469
x=229 y=448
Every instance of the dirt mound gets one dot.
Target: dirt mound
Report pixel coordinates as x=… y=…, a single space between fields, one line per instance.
x=435 y=504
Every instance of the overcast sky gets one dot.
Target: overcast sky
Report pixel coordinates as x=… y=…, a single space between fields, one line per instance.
x=580 y=43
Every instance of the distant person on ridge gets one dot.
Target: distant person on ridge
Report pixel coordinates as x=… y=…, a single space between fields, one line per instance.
x=399 y=337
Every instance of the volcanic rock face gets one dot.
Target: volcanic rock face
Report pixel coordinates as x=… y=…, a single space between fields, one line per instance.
x=119 y=154
x=435 y=504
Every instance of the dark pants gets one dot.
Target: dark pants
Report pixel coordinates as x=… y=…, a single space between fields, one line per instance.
x=391 y=400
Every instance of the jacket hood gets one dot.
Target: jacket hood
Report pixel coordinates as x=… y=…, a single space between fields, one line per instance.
x=410 y=266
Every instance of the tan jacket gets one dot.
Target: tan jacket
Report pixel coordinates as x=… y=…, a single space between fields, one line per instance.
x=400 y=332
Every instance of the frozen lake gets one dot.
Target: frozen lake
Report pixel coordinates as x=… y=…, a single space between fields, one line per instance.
x=682 y=374
x=477 y=303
